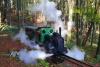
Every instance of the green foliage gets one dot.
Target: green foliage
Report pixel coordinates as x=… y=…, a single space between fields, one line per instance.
x=97 y=18
x=42 y=63
x=8 y=29
x=95 y=60
x=98 y=59
x=90 y=52
x=69 y=44
x=89 y=12
x=78 y=10
x=90 y=59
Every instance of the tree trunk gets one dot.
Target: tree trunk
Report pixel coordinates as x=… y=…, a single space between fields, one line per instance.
x=18 y=11
x=87 y=34
x=3 y=11
x=92 y=37
x=77 y=25
x=77 y=31
x=98 y=48
x=0 y=17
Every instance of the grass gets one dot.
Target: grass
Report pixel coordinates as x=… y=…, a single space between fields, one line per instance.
x=90 y=54
x=42 y=63
x=5 y=28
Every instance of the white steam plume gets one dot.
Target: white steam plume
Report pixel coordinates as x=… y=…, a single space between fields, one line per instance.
x=30 y=57
x=48 y=9
x=76 y=53
x=24 y=39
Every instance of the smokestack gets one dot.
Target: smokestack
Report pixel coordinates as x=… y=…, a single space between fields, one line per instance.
x=60 y=30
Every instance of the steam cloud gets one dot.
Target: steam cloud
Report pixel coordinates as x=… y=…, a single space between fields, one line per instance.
x=76 y=53
x=51 y=13
x=30 y=57
x=24 y=39
x=48 y=9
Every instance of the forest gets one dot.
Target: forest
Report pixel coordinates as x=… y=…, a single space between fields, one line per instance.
x=80 y=25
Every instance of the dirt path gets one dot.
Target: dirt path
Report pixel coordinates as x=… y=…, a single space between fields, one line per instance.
x=7 y=44
x=10 y=62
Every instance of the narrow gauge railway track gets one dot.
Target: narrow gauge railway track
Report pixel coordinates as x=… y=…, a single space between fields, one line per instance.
x=69 y=61
x=77 y=62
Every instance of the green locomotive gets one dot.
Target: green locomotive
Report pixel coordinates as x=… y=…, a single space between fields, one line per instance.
x=46 y=37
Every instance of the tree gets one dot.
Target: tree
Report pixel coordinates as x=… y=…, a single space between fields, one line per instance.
x=98 y=48
x=90 y=15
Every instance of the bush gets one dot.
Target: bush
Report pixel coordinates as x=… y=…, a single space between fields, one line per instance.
x=42 y=63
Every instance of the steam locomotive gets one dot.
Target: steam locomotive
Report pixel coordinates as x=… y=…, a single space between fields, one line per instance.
x=52 y=41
